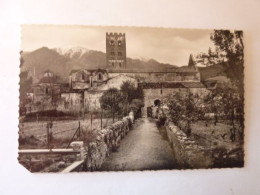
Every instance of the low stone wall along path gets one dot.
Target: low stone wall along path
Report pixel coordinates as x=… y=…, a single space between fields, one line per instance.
x=144 y=148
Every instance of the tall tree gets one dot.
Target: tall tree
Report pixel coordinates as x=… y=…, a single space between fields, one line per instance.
x=134 y=96
x=183 y=109
x=129 y=90
x=112 y=100
x=229 y=48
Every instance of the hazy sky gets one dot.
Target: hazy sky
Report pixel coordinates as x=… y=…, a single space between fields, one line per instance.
x=162 y=44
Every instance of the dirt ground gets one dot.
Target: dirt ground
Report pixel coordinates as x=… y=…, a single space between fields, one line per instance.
x=216 y=138
x=144 y=148
x=215 y=135
x=34 y=134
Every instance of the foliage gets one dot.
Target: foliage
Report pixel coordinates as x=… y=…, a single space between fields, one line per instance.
x=211 y=58
x=112 y=100
x=227 y=103
x=134 y=97
x=229 y=50
x=130 y=91
x=25 y=85
x=135 y=106
x=183 y=108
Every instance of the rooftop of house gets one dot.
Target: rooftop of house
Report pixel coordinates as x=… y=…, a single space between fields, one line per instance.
x=89 y=70
x=169 y=70
x=159 y=85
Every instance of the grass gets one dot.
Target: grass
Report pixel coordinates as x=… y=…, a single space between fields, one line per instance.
x=34 y=134
x=225 y=152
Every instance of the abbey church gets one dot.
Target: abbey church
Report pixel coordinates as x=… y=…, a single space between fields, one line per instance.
x=86 y=86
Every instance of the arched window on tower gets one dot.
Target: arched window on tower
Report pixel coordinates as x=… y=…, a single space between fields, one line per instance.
x=119 y=43
x=112 y=42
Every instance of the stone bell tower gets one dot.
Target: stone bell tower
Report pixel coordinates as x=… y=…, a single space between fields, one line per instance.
x=116 y=50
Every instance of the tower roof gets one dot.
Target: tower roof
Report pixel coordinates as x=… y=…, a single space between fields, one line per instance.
x=191 y=63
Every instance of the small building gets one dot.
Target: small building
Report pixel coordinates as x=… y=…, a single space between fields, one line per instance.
x=71 y=102
x=155 y=92
x=47 y=90
x=85 y=79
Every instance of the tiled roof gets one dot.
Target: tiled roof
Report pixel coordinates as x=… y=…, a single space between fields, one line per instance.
x=169 y=70
x=171 y=85
x=89 y=70
x=193 y=85
x=48 y=80
x=97 y=70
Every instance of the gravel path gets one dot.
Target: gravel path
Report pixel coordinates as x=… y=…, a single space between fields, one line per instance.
x=143 y=148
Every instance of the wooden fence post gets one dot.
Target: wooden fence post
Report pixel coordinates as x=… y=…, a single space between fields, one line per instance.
x=91 y=121
x=79 y=130
x=101 y=118
x=48 y=135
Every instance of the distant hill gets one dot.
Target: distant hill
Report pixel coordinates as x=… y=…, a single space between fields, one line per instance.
x=212 y=71
x=62 y=61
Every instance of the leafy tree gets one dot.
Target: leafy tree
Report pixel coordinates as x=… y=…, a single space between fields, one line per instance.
x=134 y=96
x=25 y=82
x=112 y=100
x=129 y=90
x=231 y=44
x=25 y=85
x=229 y=49
x=228 y=103
x=211 y=58
x=183 y=108
x=233 y=108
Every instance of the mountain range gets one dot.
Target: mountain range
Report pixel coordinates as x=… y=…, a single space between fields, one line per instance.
x=61 y=61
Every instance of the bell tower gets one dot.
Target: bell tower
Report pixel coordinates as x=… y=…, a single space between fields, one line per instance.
x=116 y=50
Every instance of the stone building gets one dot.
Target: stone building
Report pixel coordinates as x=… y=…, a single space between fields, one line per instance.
x=85 y=79
x=155 y=92
x=87 y=86
x=71 y=102
x=116 y=50
x=44 y=94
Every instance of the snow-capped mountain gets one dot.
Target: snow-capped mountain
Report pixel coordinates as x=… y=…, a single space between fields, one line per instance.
x=62 y=61
x=72 y=52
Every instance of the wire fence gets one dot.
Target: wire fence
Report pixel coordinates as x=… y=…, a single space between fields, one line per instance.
x=61 y=129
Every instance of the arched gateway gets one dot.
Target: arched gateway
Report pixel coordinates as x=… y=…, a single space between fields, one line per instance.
x=155 y=92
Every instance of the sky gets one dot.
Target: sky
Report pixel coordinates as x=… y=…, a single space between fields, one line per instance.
x=166 y=45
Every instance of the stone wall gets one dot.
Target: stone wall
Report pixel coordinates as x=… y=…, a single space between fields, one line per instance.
x=150 y=95
x=107 y=141
x=71 y=102
x=159 y=76
x=188 y=154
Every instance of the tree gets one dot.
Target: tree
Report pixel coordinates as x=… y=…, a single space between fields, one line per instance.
x=228 y=103
x=229 y=50
x=211 y=58
x=112 y=100
x=233 y=108
x=133 y=95
x=231 y=44
x=129 y=90
x=25 y=82
x=25 y=85
x=183 y=108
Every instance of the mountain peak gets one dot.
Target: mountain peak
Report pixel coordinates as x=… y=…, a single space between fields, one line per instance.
x=72 y=52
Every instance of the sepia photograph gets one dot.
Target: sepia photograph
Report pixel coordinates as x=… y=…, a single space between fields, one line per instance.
x=115 y=98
